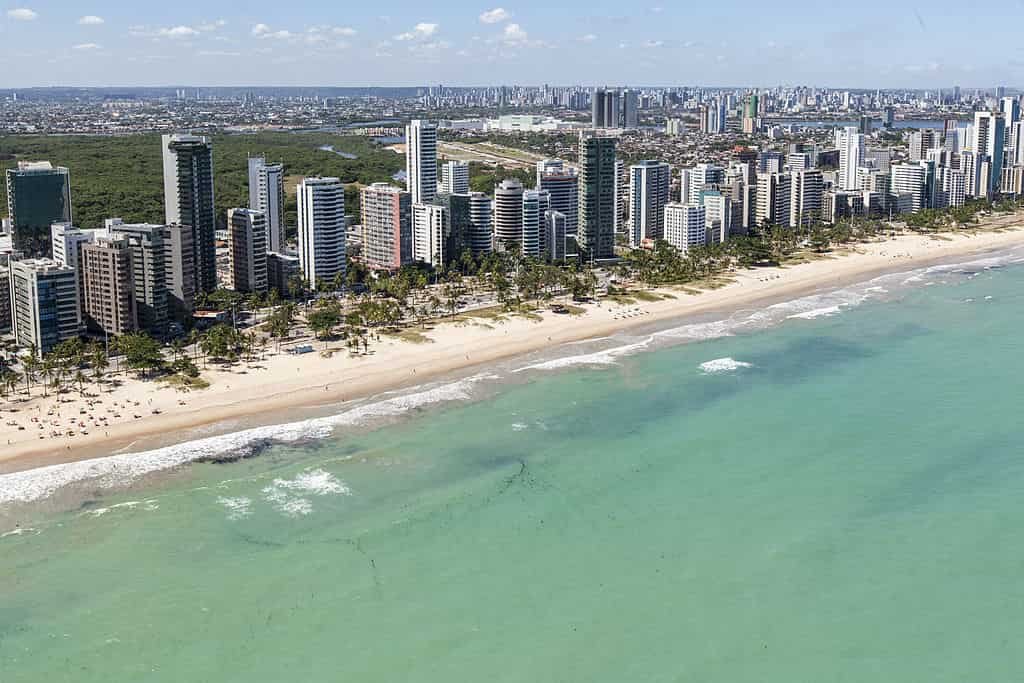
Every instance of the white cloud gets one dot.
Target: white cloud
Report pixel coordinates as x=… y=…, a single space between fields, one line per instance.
x=177 y=32
x=421 y=31
x=495 y=16
x=218 y=53
x=22 y=14
x=91 y=20
x=343 y=31
x=87 y=46
x=212 y=25
x=654 y=43
x=260 y=29
x=514 y=33
x=589 y=38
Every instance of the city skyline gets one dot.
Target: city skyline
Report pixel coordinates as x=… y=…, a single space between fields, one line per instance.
x=101 y=44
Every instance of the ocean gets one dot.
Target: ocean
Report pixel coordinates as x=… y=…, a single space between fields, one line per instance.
x=824 y=489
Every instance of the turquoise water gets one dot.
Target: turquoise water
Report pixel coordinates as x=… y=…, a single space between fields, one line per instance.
x=837 y=497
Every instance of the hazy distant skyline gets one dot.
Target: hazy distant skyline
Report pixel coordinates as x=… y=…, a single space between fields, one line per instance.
x=865 y=45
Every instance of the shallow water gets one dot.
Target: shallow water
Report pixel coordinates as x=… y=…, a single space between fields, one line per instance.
x=825 y=490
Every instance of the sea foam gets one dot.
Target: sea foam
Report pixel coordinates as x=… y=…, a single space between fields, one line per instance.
x=721 y=366
x=122 y=469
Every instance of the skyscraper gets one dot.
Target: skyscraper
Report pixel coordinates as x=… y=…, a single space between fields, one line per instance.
x=247 y=250
x=562 y=183
x=910 y=179
x=851 y=150
x=597 y=196
x=266 y=194
x=387 y=226
x=480 y=239
x=630 y=109
x=421 y=160
x=454 y=178
x=774 y=198
x=649 y=183
x=508 y=215
x=428 y=224
x=38 y=195
x=807 y=187
x=990 y=140
x=554 y=235
x=188 y=200
x=321 y=236
x=701 y=177
x=535 y=208
x=597 y=109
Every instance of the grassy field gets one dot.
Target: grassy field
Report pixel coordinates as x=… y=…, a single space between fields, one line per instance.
x=122 y=176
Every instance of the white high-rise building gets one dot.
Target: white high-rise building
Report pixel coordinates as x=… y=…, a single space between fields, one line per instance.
x=990 y=140
x=554 y=236
x=774 y=199
x=454 y=178
x=508 y=215
x=953 y=188
x=910 y=179
x=421 y=161
x=685 y=226
x=321 y=209
x=850 y=143
x=428 y=223
x=701 y=176
x=717 y=216
x=805 y=208
x=44 y=304
x=266 y=194
x=649 y=183
x=65 y=240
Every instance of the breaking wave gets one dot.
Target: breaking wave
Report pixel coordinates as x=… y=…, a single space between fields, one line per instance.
x=120 y=470
x=721 y=366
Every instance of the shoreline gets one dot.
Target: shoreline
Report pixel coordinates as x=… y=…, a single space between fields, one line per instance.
x=283 y=386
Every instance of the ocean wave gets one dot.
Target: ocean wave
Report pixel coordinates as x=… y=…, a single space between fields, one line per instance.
x=607 y=357
x=826 y=312
x=238 y=508
x=20 y=531
x=721 y=366
x=288 y=496
x=120 y=470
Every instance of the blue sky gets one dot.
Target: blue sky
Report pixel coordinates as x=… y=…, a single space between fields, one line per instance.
x=862 y=44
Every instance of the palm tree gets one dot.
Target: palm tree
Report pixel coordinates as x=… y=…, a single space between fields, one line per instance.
x=31 y=364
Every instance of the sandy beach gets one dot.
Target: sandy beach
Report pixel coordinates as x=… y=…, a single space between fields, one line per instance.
x=147 y=411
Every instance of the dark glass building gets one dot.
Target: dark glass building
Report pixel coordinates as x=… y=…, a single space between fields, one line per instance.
x=38 y=195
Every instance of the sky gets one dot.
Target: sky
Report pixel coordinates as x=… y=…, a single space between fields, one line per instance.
x=864 y=44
